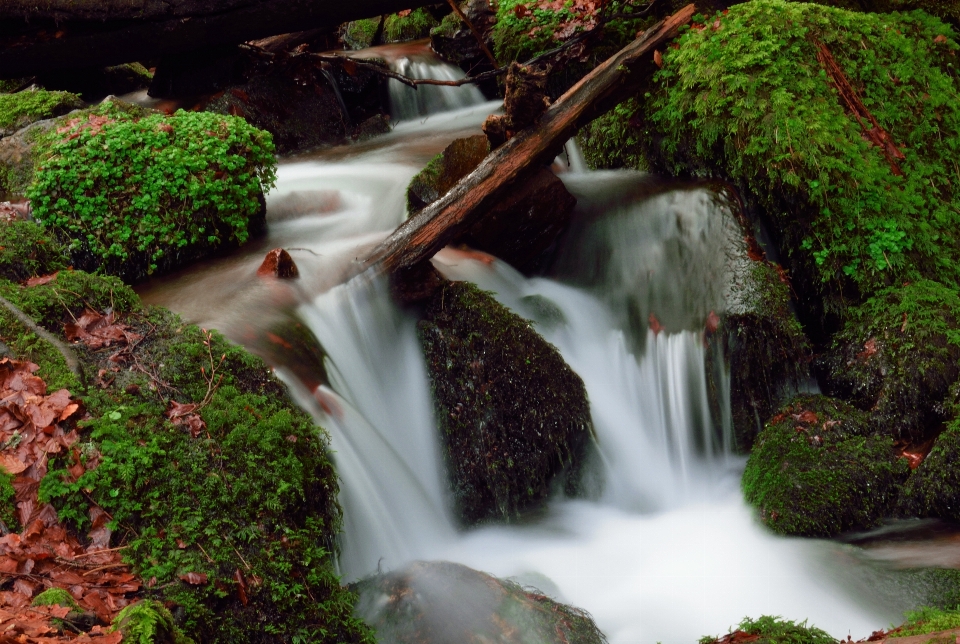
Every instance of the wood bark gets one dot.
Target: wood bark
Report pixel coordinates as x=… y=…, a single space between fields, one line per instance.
x=421 y=236
x=39 y=36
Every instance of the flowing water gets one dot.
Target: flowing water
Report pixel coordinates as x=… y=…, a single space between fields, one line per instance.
x=662 y=548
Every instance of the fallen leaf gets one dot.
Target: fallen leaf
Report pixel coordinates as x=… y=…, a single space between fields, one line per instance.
x=40 y=281
x=194 y=578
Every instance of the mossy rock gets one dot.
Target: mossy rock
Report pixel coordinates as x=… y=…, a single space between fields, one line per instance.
x=928 y=619
x=933 y=489
x=453 y=41
x=897 y=357
x=149 y=622
x=19 y=110
x=742 y=96
x=439 y=602
x=513 y=416
x=93 y=84
x=133 y=194
x=414 y=25
x=56 y=597
x=768 y=355
x=232 y=522
x=457 y=160
x=769 y=629
x=818 y=469
x=26 y=250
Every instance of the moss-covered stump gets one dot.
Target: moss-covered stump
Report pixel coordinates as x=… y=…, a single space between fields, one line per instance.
x=133 y=194
x=897 y=357
x=933 y=489
x=513 y=416
x=768 y=356
x=768 y=629
x=521 y=228
x=19 y=110
x=221 y=491
x=818 y=469
x=751 y=96
x=439 y=602
x=397 y=27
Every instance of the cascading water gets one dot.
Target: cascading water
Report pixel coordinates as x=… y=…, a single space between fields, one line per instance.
x=662 y=548
x=411 y=104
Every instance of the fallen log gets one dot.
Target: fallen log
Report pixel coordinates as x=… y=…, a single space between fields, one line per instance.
x=48 y=35
x=444 y=220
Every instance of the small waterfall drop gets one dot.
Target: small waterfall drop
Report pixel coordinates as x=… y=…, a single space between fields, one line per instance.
x=411 y=104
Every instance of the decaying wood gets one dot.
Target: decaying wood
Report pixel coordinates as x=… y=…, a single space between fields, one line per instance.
x=421 y=236
x=851 y=99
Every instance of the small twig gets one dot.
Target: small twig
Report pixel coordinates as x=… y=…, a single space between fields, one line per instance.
x=100 y=552
x=113 y=565
x=476 y=33
x=209 y=558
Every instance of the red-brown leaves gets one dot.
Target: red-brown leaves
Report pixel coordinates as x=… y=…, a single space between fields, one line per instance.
x=98 y=331
x=44 y=554
x=194 y=578
x=77 y=126
x=186 y=416
x=40 y=281
x=869 y=349
x=654 y=324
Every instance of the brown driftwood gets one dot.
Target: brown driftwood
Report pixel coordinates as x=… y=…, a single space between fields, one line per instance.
x=421 y=236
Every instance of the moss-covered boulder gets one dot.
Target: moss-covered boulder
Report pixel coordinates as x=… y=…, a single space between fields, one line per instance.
x=221 y=491
x=521 y=228
x=769 y=629
x=26 y=249
x=933 y=489
x=397 y=27
x=514 y=418
x=438 y=602
x=455 y=42
x=23 y=108
x=751 y=96
x=819 y=468
x=134 y=194
x=897 y=357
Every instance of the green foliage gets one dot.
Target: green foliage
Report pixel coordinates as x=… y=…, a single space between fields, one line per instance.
x=56 y=597
x=12 y=84
x=929 y=620
x=612 y=141
x=132 y=195
x=776 y=630
x=817 y=469
x=8 y=501
x=149 y=622
x=898 y=355
x=396 y=28
x=26 y=249
x=23 y=108
x=744 y=97
x=933 y=489
x=26 y=345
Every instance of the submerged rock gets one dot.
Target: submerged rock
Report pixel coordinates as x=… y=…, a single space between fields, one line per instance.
x=443 y=603
x=897 y=357
x=513 y=416
x=819 y=468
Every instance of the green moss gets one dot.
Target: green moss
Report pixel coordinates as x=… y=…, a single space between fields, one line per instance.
x=26 y=250
x=743 y=96
x=513 y=416
x=449 y=26
x=817 y=469
x=12 y=84
x=776 y=630
x=23 y=108
x=415 y=25
x=928 y=620
x=133 y=195
x=8 y=501
x=614 y=139
x=24 y=344
x=933 y=489
x=56 y=597
x=149 y=622
x=898 y=355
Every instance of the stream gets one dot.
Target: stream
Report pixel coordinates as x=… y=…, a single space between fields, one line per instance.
x=662 y=547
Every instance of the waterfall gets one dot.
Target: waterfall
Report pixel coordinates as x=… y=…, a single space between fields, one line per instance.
x=410 y=104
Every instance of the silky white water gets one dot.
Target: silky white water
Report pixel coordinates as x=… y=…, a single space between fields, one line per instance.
x=663 y=548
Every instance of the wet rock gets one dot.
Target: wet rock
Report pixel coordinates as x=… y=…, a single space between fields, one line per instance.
x=415 y=284
x=454 y=42
x=279 y=264
x=514 y=418
x=291 y=344
x=441 y=602
x=897 y=357
x=403 y=26
x=820 y=468
x=93 y=84
x=521 y=228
